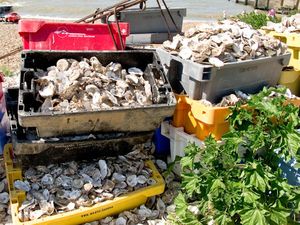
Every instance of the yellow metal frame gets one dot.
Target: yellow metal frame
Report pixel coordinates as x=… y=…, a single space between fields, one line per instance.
x=83 y=215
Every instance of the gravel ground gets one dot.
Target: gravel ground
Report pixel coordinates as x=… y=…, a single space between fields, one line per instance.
x=10 y=40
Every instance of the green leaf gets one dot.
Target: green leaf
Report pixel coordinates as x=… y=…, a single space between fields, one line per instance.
x=297 y=166
x=181 y=205
x=186 y=217
x=279 y=216
x=186 y=162
x=250 y=197
x=253 y=217
x=223 y=219
x=217 y=184
x=293 y=142
x=190 y=183
x=257 y=181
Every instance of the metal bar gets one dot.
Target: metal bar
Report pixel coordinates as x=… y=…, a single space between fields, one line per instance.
x=118 y=9
x=106 y=9
x=171 y=17
x=119 y=31
x=166 y=22
x=256 y=4
x=111 y=33
x=97 y=10
x=268 y=3
x=297 y=4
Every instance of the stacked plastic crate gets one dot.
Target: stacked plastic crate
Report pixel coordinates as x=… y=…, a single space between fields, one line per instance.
x=290 y=76
x=114 y=131
x=211 y=83
x=3 y=118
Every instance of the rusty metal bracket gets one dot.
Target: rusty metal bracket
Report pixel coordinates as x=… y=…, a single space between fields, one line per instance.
x=106 y=13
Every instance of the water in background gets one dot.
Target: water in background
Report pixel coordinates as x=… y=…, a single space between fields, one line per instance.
x=75 y=9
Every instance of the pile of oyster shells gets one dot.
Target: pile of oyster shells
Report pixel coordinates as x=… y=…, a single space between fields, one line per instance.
x=5 y=217
x=241 y=97
x=287 y=25
x=88 y=85
x=59 y=188
x=222 y=42
x=157 y=209
x=228 y=100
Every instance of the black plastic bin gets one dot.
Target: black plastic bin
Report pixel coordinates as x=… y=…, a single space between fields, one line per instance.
x=117 y=119
x=32 y=149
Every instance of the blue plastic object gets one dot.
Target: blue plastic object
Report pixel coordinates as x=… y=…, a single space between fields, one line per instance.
x=3 y=140
x=1 y=115
x=162 y=144
x=290 y=173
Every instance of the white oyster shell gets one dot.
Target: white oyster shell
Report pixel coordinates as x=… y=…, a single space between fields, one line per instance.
x=22 y=185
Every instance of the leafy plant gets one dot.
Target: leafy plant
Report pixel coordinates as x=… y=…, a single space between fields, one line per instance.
x=238 y=180
x=257 y=20
x=6 y=71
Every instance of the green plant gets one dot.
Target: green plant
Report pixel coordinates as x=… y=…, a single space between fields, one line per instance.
x=238 y=180
x=6 y=71
x=257 y=20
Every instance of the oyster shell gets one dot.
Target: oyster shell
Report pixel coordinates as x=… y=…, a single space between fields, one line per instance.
x=121 y=221
x=119 y=177
x=288 y=25
x=132 y=180
x=161 y=164
x=223 y=41
x=4 y=198
x=62 y=65
x=22 y=185
x=88 y=85
x=59 y=188
x=47 y=180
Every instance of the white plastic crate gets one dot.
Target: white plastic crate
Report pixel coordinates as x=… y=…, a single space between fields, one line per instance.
x=178 y=139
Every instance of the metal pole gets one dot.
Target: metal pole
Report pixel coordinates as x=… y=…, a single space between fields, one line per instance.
x=108 y=8
x=297 y=4
x=165 y=20
x=171 y=17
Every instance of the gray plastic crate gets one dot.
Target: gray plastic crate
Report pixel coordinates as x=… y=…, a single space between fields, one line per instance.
x=30 y=148
x=151 y=20
x=117 y=119
x=149 y=38
x=211 y=83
